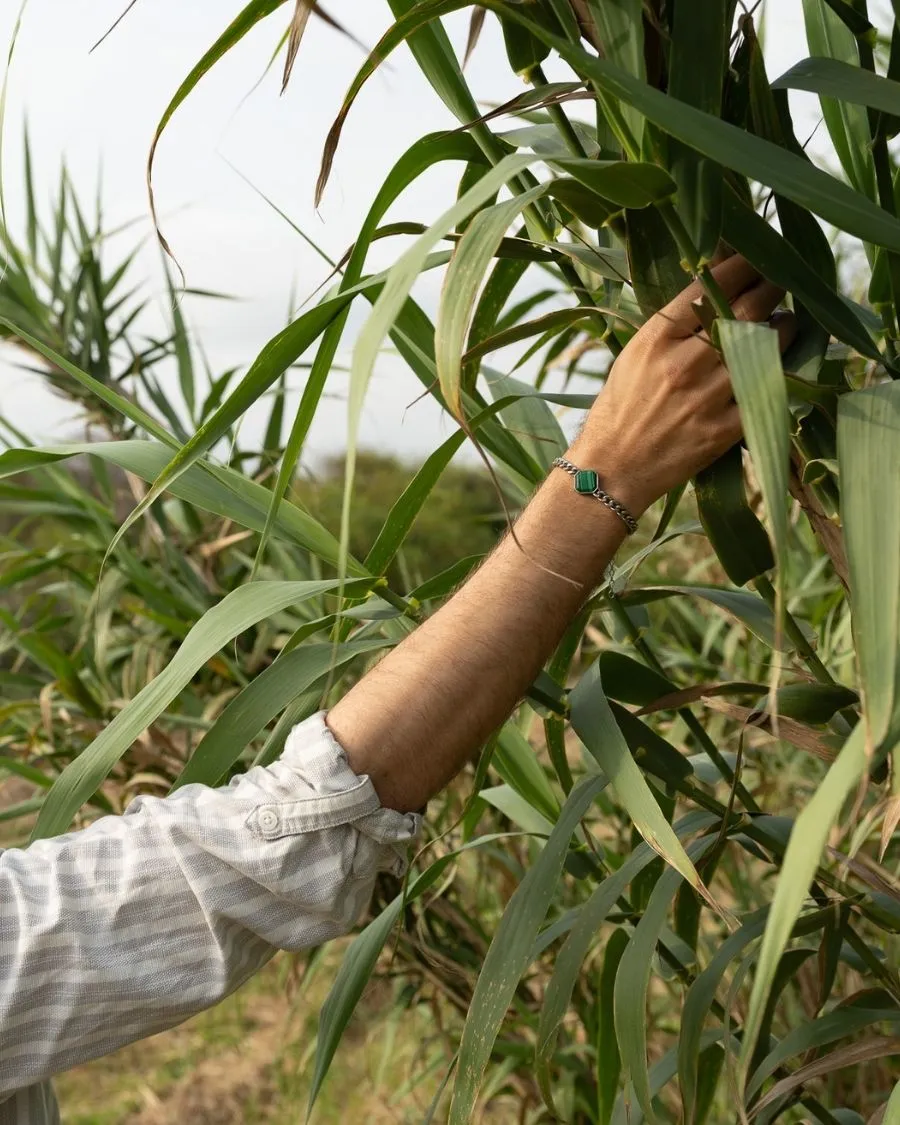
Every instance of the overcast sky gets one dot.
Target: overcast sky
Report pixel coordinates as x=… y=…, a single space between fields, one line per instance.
x=103 y=106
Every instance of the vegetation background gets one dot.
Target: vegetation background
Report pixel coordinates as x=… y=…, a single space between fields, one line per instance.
x=668 y=887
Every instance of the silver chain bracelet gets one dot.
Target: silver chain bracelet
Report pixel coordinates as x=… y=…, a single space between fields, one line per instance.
x=587 y=483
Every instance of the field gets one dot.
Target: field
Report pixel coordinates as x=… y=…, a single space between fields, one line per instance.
x=667 y=887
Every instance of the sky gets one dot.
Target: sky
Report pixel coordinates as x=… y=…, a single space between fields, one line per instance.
x=100 y=109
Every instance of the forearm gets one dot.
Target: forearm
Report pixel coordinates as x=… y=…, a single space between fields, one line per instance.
x=416 y=718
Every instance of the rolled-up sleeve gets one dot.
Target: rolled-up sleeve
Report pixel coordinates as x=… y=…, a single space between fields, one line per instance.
x=139 y=921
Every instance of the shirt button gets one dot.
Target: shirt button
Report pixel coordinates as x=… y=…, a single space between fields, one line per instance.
x=268 y=820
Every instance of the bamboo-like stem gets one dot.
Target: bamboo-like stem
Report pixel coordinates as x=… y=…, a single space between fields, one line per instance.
x=558 y=116
x=885 y=185
x=798 y=637
x=690 y=719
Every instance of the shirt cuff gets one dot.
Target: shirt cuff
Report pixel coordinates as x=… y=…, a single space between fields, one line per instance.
x=313 y=787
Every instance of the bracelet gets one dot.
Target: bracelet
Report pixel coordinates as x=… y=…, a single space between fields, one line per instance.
x=587 y=483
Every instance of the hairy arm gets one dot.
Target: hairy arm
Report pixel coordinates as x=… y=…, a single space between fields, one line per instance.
x=666 y=412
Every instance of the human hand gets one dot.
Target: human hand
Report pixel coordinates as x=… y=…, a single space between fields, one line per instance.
x=667 y=410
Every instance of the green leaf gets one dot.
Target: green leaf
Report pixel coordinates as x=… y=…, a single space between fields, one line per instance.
x=844 y=1020
x=47 y=655
x=791 y=175
x=359 y=961
x=260 y=701
x=854 y=19
x=570 y=958
x=462 y=283
x=446 y=581
x=515 y=760
x=749 y=609
x=633 y=979
x=433 y=52
x=529 y=416
x=523 y=51
x=892 y=1109
x=699 y=38
x=392 y=299
x=606 y=261
x=609 y=1060
x=403 y=514
x=620 y=28
x=628 y=681
x=792 y=960
x=807 y=842
x=813 y=703
x=226 y=620
x=510 y=949
x=835 y=79
x=625 y=183
x=434 y=148
x=650 y=750
x=584 y=204
x=654 y=263
x=559 y=318
x=517 y=809
x=488 y=315
x=244 y=22
x=848 y=125
x=868 y=437
x=777 y=260
x=352 y=977
x=731 y=525
x=224 y=492
x=593 y=722
x=182 y=344
x=727 y=144
x=699 y=1000
x=753 y=358
x=701 y=994
x=662 y=1072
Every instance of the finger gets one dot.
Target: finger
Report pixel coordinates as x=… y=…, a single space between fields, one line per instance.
x=733 y=276
x=785 y=324
x=728 y=426
x=717 y=387
x=722 y=254
x=697 y=353
x=757 y=302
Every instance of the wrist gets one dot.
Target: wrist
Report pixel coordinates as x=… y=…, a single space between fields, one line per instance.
x=622 y=481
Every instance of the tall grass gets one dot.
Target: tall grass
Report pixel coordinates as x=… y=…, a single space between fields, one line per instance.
x=713 y=935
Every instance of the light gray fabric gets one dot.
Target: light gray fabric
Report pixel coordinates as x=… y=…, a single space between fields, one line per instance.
x=139 y=921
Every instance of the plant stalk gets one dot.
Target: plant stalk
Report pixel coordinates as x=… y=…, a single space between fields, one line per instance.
x=690 y=719
x=792 y=628
x=559 y=117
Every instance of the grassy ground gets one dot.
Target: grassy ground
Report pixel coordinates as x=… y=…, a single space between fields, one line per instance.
x=249 y=1062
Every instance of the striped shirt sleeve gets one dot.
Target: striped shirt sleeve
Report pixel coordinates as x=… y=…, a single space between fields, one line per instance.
x=139 y=921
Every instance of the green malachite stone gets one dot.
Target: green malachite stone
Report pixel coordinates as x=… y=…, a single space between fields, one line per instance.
x=585 y=480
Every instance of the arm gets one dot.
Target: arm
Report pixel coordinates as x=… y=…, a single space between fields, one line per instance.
x=666 y=413
x=139 y=921
x=136 y=923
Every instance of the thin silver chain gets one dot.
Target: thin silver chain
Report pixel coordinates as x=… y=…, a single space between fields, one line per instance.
x=604 y=497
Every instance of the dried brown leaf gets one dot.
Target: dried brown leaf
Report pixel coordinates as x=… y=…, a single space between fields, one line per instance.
x=866 y=869
x=476 y=23
x=789 y=730
x=112 y=27
x=298 y=25
x=891 y=820
x=855 y=1053
x=676 y=699
x=302 y=12
x=530 y=100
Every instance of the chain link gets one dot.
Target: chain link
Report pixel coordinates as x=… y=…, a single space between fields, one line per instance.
x=604 y=497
